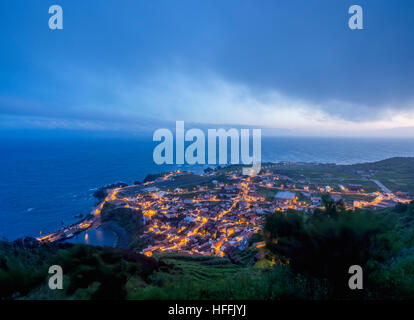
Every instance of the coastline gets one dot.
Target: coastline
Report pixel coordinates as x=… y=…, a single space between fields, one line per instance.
x=122 y=238
x=58 y=192
x=331 y=173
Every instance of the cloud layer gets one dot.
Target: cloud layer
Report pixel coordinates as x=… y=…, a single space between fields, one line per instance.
x=160 y=100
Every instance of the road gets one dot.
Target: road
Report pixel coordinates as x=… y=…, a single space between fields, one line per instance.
x=381 y=186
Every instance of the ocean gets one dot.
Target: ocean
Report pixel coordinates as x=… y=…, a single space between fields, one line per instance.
x=45 y=182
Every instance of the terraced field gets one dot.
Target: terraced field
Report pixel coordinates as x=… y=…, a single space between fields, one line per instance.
x=200 y=267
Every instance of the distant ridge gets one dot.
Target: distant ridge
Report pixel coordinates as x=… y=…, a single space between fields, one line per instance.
x=394 y=161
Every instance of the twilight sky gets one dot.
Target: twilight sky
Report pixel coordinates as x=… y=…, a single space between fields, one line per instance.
x=292 y=67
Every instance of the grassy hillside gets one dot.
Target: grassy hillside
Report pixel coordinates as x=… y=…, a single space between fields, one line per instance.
x=395 y=173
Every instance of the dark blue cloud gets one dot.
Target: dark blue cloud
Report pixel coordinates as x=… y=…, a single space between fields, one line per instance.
x=301 y=48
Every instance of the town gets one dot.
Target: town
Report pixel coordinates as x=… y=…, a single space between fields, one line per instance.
x=218 y=211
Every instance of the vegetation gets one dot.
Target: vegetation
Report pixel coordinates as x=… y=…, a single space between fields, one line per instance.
x=395 y=173
x=129 y=220
x=307 y=256
x=324 y=245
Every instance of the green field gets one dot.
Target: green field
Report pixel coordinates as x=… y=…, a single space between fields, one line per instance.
x=199 y=268
x=396 y=173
